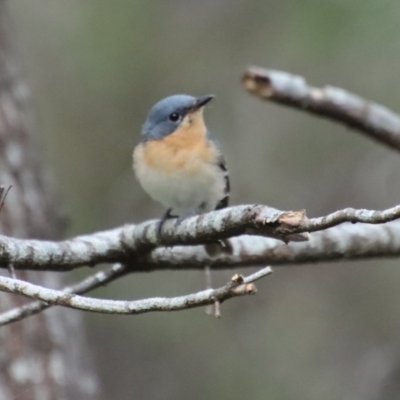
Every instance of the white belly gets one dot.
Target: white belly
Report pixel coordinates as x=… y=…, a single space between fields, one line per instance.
x=183 y=192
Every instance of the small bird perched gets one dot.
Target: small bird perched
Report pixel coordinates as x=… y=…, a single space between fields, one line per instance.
x=179 y=164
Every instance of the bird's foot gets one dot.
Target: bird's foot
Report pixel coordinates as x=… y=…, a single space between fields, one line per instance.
x=166 y=216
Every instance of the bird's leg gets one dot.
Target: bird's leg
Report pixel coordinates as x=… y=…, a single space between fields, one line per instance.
x=166 y=216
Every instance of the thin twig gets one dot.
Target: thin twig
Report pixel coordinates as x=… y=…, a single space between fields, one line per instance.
x=236 y=287
x=3 y=197
x=207 y=273
x=217 y=308
x=338 y=105
x=11 y=271
x=2 y=190
x=352 y=215
x=90 y=283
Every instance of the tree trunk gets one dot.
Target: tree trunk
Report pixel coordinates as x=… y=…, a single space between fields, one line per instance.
x=43 y=357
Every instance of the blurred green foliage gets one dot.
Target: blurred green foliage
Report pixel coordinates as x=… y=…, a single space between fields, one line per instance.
x=315 y=332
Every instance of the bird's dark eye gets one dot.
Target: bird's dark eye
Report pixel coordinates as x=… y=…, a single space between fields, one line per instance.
x=174 y=117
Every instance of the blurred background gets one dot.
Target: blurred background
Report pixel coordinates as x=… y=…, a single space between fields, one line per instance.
x=95 y=68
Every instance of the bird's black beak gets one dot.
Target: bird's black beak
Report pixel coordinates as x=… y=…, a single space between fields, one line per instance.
x=202 y=101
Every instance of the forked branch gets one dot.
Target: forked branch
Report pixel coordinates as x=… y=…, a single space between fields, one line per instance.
x=237 y=286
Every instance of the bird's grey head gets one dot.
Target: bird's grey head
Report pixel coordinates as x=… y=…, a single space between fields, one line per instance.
x=165 y=116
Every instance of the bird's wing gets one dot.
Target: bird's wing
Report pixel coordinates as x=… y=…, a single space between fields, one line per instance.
x=221 y=163
x=225 y=200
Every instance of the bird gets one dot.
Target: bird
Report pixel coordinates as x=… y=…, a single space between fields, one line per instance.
x=179 y=163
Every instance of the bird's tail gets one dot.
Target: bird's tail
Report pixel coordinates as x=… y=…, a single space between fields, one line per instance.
x=222 y=246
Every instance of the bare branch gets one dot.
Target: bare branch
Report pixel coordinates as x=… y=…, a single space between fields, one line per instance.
x=345 y=243
x=354 y=216
x=130 y=242
x=372 y=119
x=238 y=286
x=90 y=283
x=124 y=243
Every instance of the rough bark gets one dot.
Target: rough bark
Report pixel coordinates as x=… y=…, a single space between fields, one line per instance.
x=367 y=117
x=43 y=357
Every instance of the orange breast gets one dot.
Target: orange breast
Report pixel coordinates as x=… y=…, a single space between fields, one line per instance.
x=185 y=150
